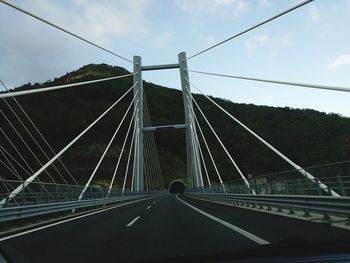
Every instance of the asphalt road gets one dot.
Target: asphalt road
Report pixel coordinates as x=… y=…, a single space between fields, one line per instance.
x=160 y=228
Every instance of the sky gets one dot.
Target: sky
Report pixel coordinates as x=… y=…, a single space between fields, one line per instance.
x=309 y=45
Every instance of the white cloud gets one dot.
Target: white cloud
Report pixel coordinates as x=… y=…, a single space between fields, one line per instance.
x=281 y=42
x=313 y=14
x=227 y=8
x=98 y=20
x=211 y=40
x=38 y=51
x=163 y=40
x=253 y=42
x=270 y=44
x=340 y=61
x=264 y=3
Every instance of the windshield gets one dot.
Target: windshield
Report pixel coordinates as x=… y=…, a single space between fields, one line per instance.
x=159 y=131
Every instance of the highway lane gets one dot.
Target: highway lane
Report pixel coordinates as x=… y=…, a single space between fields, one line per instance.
x=271 y=227
x=167 y=228
x=173 y=229
x=161 y=227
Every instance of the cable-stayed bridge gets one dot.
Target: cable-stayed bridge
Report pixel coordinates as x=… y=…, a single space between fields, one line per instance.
x=51 y=212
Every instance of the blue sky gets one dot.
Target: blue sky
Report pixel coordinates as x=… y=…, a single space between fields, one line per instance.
x=308 y=45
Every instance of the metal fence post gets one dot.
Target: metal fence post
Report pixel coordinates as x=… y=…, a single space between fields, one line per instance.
x=286 y=190
x=341 y=185
x=319 y=191
x=273 y=189
x=300 y=186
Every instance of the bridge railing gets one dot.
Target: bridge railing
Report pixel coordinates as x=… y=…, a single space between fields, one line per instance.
x=47 y=198
x=22 y=212
x=300 y=186
x=326 y=205
x=335 y=176
x=287 y=191
x=46 y=193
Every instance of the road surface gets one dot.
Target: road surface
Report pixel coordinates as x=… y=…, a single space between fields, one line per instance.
x=159 y=228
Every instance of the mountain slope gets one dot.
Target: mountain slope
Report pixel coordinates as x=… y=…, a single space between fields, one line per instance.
x=306 y=136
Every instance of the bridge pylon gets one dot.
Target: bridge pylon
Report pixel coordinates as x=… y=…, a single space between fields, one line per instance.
x=194 y=170
x=138 y=122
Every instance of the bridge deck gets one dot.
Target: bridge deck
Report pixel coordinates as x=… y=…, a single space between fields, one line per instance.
x=161 y=227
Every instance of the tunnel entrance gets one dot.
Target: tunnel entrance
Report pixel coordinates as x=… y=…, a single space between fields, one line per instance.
x=177 y=186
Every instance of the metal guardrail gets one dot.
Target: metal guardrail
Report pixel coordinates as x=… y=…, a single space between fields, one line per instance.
x=19 y=212
x=335 y=176
x=42 y=193
x=283 y=186
x=338 y=206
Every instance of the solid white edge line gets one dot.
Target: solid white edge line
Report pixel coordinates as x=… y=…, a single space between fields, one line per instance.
x=229 y=225
x=133 y=221
x=148 y=207
x=68 y=220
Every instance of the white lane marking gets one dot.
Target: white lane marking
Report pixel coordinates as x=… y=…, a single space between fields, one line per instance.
x=232 y=227
x=154 y=202
x=148 y=207
x=133 y=221
x=68 y=220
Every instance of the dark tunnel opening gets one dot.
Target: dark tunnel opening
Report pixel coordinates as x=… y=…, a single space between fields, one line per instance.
x=177 y=187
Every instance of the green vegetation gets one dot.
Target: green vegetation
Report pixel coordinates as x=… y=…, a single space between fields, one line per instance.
x=306 y=136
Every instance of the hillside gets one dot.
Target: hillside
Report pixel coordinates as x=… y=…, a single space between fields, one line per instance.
x=306 y=136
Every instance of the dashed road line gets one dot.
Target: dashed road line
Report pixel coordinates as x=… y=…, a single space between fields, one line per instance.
x=69 y=220
x=133 y=221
